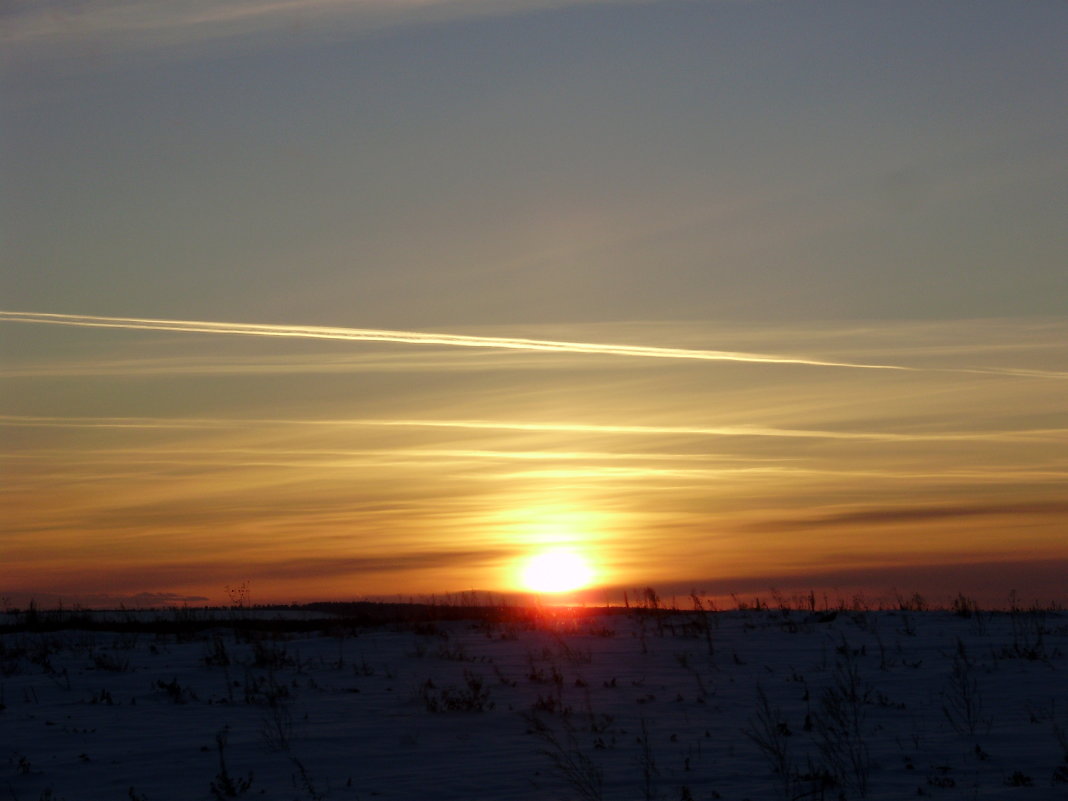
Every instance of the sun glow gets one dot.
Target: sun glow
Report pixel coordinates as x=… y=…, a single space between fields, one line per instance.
x=556 y=571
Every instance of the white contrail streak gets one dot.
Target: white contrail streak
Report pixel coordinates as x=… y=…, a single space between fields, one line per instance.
x=421 y=338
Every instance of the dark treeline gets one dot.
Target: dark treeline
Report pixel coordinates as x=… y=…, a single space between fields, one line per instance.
x=291 y=618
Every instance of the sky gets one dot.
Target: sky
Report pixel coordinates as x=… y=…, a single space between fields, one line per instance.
x=332 y=300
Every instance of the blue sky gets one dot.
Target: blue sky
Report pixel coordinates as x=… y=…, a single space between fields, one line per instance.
x=583 y=161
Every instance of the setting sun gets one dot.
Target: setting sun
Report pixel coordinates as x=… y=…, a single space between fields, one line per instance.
x=556 y=571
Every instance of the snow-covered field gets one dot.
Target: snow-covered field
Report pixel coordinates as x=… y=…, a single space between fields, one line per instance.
x=749 y=704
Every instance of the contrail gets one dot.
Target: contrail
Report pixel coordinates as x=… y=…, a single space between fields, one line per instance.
x=423 y=338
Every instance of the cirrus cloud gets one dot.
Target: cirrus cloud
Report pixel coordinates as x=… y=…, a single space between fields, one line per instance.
x=141 y=25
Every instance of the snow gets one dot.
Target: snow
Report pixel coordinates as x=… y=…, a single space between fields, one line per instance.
x=611 y=704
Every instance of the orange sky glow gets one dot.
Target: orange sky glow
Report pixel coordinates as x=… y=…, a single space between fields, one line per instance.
x=218 y=464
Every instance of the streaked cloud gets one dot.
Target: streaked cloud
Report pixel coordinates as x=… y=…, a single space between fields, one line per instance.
x=440 y=360
x=507 y=425
x=139 y=25
x=219 y=572
x=51 y=465
x=390 y=563
x=904 y=515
